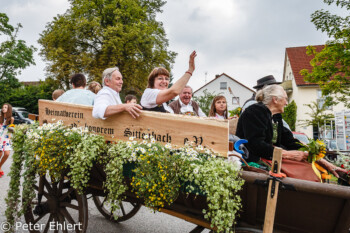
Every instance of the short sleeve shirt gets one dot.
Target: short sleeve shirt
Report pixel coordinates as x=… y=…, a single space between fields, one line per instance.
x=104 y=98
x=149 y=99
x=78 y=96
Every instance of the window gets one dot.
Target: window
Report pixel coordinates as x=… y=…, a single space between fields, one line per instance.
x=223 y=85
x=235 y=100
x=321 y=100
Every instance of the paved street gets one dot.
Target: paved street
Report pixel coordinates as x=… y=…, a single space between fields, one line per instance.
x=144 y=221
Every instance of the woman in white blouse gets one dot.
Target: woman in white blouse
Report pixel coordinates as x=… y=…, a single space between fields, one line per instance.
x=157 y=92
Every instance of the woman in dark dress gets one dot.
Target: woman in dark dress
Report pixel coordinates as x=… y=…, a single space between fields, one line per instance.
x=261 y=124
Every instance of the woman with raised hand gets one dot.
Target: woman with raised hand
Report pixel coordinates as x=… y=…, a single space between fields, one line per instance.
x=157 y=92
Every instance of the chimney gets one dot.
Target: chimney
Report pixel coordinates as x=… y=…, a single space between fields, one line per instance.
x=216 y=76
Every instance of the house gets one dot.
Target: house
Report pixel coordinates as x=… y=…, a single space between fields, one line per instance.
x=235 y=92
x=300 y=91
x=31 y=83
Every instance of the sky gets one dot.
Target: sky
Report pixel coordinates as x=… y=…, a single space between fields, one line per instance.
x=245 y=39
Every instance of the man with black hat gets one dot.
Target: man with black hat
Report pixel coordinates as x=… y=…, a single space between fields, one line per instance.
x=261 y=83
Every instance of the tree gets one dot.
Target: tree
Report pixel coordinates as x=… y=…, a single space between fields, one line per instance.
x=204 y=101
x=28 y=96
x=290 y=114
x=331 y=66
x=96 y=34
x=317 y=115
x=15 y=56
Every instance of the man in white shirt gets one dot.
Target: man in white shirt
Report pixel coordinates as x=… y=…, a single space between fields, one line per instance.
x=185 y=104
x=78 y=95
x=107 y=101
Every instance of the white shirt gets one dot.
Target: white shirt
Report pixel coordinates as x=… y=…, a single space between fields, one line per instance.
x=104 y=98
x=219 y=116
x=189 y=108
x=149 y=99
x=78 y=96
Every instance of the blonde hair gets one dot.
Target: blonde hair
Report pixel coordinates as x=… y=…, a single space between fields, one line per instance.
x=212 y=111
x=57 y=93
x=266 y=94
x=94 y=86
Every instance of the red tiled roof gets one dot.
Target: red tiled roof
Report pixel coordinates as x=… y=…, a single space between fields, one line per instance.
x=300 y=60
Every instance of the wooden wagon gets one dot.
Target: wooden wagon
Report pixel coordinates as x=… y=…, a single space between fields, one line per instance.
x=303 y=206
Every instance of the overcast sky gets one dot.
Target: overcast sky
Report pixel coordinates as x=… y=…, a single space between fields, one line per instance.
x=246 y=39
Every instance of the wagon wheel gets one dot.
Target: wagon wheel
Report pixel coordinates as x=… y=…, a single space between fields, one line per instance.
x=61 y=208
x=126 y=211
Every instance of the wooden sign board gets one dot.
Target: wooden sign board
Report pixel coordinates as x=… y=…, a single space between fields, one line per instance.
x=164 y=127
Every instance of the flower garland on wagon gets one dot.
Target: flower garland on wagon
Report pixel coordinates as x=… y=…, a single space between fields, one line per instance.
x=158 y=173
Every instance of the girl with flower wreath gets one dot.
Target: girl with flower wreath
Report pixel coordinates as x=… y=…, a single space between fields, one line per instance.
x=6 y=120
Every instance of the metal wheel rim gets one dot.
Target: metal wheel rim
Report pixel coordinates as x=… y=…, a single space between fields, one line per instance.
x=127 y=209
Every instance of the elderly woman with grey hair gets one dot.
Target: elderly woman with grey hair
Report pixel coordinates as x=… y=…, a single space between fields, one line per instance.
x=261 y=124
x=107 y=101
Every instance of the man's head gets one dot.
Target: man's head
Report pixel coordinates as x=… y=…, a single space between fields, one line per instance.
x=78 y=80
x=130 y=99
x=265 y=81
x=57 y=93
x=186 y=95
x=112 y=78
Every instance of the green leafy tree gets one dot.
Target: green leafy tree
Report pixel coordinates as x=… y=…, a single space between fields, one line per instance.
x=204 y=101
x=95 y=34
x=290 y=114
x=15 y=56
x=331 y=66
x=28 y=96
x=317 y=115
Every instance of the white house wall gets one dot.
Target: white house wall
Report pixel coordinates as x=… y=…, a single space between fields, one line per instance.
x=304 y=95
x=238 y=91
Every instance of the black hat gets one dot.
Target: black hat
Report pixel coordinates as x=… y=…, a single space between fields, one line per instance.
x=267 y=80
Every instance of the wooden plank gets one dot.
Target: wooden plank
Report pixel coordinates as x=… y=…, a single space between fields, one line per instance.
x=164 y=127
x=188 y=218
x=272 y=200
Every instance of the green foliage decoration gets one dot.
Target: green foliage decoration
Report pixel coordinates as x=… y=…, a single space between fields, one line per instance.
x=49 y=150
x=158 y=173
x=161 y=172
x=13 y=196
x=89 y=150
x=235 y=112
x=118 y=155
x=290 y=114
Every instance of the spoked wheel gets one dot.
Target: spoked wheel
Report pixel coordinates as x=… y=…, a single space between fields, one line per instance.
x=61 y=208
x=126 y=211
